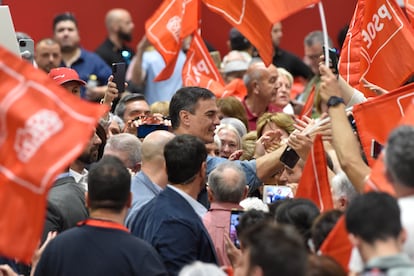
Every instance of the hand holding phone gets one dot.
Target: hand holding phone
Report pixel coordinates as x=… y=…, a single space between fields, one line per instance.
x=234 y=221
x=118 y=71
x=26 y=46
x=289 y=157
x=333 y=58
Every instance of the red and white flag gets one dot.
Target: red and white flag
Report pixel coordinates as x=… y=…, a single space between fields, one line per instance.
x=409 y=9
x=378 y=46
x=165 y=29
x=43 y=128
x=314 y=183
x=199 y=68
x=377 y=117
x=377 y=181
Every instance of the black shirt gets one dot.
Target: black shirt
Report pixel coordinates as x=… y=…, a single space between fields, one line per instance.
x=111 y=54
x=291 y=63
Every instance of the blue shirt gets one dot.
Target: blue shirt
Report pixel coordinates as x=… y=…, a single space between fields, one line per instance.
x=88 y=64
x=143 y=190
x=248 y=166
x=152 y=65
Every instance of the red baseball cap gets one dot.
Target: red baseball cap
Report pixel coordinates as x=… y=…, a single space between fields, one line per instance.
x=63 y=75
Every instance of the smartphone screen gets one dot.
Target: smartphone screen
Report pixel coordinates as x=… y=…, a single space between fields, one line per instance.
x=272 y=193
x=376 y=149
x=144 y=130
x=234 y=221
x=289 y=157
x=333 y=58
x=26 y=46
x=118 y=71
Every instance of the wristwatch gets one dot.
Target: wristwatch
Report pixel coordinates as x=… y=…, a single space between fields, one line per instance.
x=334 y=101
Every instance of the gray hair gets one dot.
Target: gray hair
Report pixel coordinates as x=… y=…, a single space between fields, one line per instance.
x=236 y=123
x=227 y=182
x=342 y=187
x=198 y=268
x=399 y=156
x=316 y=37
x=125 y=143
x=232 y=129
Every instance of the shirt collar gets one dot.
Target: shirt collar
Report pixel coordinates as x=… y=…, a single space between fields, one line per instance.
x=197 y=206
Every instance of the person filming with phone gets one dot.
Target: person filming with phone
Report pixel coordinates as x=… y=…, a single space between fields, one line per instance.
x=226 y=188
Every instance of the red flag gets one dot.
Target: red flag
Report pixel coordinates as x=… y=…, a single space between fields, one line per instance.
x=409 y=8
x=377 y=117
x=43 y=129
x=278 y=10
x=379 y=39
x=199 y=68
x=308 y=107
x=165 y=29
x=249 y=18
x=314 y=183
x=377 y=180
x=337 y=244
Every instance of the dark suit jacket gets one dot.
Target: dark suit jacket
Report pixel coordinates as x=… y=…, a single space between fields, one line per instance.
x=65 y=205
x=171 y=225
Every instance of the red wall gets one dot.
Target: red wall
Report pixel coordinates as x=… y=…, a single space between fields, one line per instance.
x=35 y=18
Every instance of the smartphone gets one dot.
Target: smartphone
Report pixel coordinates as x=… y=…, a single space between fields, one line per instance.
x=272 y=193
x=145 y=129
x=234 y=221
x=333 y=58
x=26 y=46
x=118 y=71
x=376 y=149
x=289 y=157
x=352 y=122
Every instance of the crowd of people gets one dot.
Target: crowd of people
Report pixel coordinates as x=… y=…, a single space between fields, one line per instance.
x=154 y=191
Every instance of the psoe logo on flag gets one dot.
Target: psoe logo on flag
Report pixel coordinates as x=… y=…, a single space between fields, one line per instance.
x=174 y=27
x=378 y=32
x=404 y=102
x=37 y=130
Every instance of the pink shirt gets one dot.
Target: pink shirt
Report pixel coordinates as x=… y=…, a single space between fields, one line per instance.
x=217 y=222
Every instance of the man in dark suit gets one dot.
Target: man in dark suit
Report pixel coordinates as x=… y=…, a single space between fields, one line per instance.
x=65 y=205
x=172 y=222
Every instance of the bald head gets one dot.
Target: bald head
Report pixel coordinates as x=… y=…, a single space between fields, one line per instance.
x=115 y=16
x=227 y=183
x=153 y=145
x=257 y=73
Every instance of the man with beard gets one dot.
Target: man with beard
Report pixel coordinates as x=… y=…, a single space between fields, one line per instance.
x=119 y=26
x=88 y=65
x=89 y=155
x=48 y=54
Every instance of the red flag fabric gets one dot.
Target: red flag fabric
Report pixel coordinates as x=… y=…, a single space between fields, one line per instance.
x=377 y=180
x=199 y=68
x=378 y=42
x=249 y=18
x=165 y=29
x=377 y=117
x=337 y=244
x=308 y=106
x=409 y=9
x=278 y=10
x=314 y=183
x=43 y=129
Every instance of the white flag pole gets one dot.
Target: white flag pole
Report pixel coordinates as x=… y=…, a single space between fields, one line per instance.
x=325 y=33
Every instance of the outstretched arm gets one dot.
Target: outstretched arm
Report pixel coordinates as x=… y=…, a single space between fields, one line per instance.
x=344 y=140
